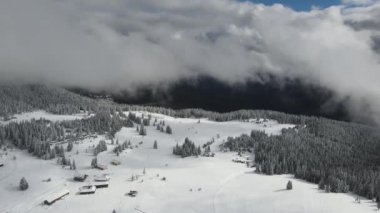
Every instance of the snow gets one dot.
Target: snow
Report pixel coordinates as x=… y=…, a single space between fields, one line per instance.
x=204 y=184
x=27 y=116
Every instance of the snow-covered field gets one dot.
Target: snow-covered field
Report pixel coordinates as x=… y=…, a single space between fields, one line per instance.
x=192 y=184
x=27 y=116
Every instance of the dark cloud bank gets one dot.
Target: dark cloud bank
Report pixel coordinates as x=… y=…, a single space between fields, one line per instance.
x=324 y=61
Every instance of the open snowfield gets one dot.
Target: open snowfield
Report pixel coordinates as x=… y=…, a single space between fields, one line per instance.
x=27 y=116
x=192 y=184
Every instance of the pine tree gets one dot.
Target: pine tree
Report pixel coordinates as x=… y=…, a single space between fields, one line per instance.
x=94 y=162
x=74 y=167
x=321 y=184
x=327 y=188
x=142 y=130
x=23 y=184
x=64 y=160
x=289 y=185
x=168 y=130
x=155 y=145
x=69 y=146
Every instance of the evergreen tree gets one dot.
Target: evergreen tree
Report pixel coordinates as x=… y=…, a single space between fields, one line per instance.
x=74 y=166
x=23 y=184
x=155 y=145
x=94 y=162
x=69 y=146
x=188 y=148
x=289 y=185
x=168 y=130
x=142 y=130
x=321 y=184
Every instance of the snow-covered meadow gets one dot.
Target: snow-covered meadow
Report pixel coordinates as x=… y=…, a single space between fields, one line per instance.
x=203 y=184
x=27 y=116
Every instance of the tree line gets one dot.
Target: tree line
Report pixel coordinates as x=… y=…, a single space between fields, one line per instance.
x=338 y=156
x=38 y=136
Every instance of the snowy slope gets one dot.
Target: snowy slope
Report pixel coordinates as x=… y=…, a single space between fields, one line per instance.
x=192 y=184
x=27 y=116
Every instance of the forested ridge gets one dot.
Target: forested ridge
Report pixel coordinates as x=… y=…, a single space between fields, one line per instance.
x=15 y=99
x=338 y=156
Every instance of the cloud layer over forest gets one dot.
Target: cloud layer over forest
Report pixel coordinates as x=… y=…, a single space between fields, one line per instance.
x=122 y=44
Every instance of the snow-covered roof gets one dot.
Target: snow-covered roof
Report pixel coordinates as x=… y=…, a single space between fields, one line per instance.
x=56 y=195
x=87 y=189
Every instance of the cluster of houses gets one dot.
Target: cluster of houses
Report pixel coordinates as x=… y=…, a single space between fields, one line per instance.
x=241 y=160
x=99 y=181
x=246 y=160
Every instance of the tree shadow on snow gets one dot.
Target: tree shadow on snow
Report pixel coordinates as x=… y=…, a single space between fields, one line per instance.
x=280 y=190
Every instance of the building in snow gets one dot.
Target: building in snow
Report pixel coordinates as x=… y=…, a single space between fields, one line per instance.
x=101 y=167
x=56 y=196
x=90 y=189
x=102 y=178
x=80 y=177
x=103 y=184
x=132 y=193
x=115 y=162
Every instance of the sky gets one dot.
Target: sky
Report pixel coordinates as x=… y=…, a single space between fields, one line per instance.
x=300 y=5
x=126 y=44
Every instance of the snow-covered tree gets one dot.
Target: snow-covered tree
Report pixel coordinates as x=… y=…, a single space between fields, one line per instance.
x=289 y=185
x=168 y=130
x=94 y=162
x=23 y=184
x=70 y=146
x=142 y=130
x=73 y=165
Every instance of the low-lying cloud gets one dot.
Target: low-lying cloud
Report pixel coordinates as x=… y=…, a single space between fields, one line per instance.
x=122 y=44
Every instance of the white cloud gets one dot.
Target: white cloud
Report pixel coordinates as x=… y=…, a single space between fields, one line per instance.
x=123 y=43
x=358 y=2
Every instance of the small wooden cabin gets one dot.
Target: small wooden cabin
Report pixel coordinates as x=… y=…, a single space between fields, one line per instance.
x=103 y=184
x=101 y=167
x=115 y=162
x=90 y=189
x=132 y=193
x=80 y=178
x=102 y=178
x=56 y=196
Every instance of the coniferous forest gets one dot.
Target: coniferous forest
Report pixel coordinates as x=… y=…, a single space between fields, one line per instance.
x=338 y=156
x=37 y=136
